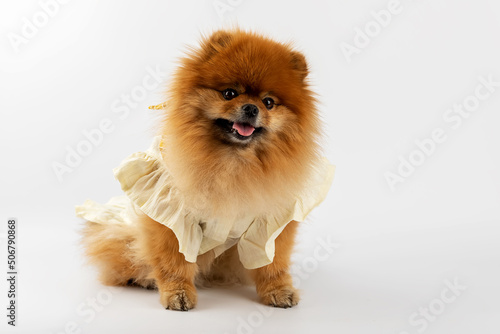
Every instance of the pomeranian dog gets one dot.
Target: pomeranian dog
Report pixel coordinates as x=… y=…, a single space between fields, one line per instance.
x=218 y=196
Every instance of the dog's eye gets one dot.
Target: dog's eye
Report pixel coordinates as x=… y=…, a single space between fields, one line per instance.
x=229 y=94
x=268 y=102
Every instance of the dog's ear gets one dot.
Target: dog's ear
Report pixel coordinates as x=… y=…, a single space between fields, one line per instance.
x=221 y=38
x=216 y=42
x=299 y=64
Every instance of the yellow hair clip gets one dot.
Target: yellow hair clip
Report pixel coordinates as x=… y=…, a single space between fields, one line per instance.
x=158 y=106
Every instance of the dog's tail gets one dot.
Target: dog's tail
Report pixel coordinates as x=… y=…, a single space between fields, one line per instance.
x=109 y=239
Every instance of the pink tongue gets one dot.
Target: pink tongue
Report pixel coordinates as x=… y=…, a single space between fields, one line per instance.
x=243 y=129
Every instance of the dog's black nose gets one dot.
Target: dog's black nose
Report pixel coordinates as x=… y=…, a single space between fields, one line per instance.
x=251 y=110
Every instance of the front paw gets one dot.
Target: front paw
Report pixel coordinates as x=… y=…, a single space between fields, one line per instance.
x=285 y=297
x=182 y=299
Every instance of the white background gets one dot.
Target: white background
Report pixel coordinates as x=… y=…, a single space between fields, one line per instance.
x=394 y=249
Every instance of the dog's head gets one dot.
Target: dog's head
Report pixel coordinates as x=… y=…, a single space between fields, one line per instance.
x=242 y=89
x=240 y=109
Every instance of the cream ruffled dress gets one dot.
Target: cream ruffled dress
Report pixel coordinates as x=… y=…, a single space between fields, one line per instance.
x=149 y=189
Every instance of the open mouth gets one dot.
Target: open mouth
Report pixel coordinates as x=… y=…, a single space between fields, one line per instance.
x=240 y=130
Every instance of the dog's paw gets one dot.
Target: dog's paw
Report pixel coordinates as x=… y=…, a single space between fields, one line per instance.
x=178 y=300
x=285 y=297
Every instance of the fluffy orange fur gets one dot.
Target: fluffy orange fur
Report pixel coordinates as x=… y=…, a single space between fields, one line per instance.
x=220 y=178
